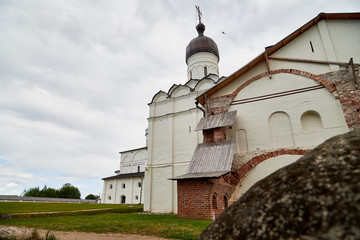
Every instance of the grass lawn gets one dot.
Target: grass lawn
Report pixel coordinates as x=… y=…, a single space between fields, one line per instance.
x=168 y=226
x=28 y=207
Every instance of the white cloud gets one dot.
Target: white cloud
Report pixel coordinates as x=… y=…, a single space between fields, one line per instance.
x=76 y=77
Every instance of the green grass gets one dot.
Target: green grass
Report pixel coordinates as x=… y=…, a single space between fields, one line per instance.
x=28 y=207
x=168 y=226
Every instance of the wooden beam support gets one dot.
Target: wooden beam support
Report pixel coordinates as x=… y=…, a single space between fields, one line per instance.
x=344 y=64
x=267 y=63
x=352 y=72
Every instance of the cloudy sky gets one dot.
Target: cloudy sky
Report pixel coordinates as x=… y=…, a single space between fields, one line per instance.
x=76 y=75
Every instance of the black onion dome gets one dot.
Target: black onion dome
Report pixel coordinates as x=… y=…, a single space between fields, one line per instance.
x=201 y=43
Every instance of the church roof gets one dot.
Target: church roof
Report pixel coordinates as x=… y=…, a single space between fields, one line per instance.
x=125 y=175
x=201 y=44
x=272 y=49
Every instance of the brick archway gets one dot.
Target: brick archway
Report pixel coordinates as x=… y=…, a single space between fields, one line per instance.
x=314 y=77
x=235 y=178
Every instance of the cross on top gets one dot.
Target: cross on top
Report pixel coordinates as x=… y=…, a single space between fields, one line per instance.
x=199 y=13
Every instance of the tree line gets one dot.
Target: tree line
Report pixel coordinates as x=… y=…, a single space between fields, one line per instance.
x=66 y=191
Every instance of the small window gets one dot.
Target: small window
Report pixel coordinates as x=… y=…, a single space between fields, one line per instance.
x=110 y=186
x=109 y=197
x=205 y=71
x=311 y=121
x=139 y=184
x=225 y=202
x=138 y=168
x=123 y=199
x=123 y=185
x=214 y=202
x=190 y=74
x=136 y=197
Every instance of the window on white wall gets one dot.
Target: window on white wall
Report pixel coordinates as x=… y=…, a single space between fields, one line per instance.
x=242 y=140
x=123 y=185
x=281 y=130
x=139 y=184
x=205 y=71
x=136 y=197
x=109 y=197
x=310 y=121
x=110 y=186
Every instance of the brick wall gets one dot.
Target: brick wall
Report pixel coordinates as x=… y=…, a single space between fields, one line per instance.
x=202 y=198
x=220 y=104
x=348 y=95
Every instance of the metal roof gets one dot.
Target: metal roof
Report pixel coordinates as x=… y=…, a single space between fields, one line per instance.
x=125 y=175
x=217 y=120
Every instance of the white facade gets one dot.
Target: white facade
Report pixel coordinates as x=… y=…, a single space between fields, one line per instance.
x=277 y=112
x=202 y=64
x=127 y=186
x=172 y=120
x=300 y=120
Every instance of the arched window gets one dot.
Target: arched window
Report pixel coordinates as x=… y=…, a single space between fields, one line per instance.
x=123 y=185
x=281 y=130
x=123 y=199
x=225 y=202
x=205 y=71
x=214 y=202
x=109 y=197
x=136 y=197
x=242 y=140
x=310 y=121
x=139 y=184
x=110 y=186
x=138 y=168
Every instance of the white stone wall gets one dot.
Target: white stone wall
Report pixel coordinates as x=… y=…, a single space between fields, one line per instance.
x=301 y=120
x=115 y=189
x=131 y=161
x=171 y=143
x=198 y=61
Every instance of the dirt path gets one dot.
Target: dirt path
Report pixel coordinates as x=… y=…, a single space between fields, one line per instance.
x=60 y=235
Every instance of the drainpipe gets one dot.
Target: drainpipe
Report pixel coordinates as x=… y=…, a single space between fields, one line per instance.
x=141 y=181
x=197 y=106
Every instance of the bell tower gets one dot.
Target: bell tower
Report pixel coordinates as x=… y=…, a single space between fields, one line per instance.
x=202 y=54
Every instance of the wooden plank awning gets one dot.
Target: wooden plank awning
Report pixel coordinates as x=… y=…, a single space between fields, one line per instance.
x=217 y=120
x=200 y=175
x=210 y=160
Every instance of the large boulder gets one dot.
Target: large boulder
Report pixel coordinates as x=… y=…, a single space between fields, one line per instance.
x=317 y=197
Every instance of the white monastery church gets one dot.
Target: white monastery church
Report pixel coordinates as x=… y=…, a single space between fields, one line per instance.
x=210 y=139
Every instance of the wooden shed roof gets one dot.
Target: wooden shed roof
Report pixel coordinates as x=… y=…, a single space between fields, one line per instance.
x=217 y=120
x=210 y=160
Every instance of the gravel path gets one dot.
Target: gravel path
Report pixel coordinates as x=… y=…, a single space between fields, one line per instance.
x=60 y=235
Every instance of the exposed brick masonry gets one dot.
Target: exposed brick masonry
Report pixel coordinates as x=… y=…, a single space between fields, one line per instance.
x=348 y=95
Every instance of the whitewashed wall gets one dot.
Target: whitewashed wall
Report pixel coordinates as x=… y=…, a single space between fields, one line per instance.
x=172 y=141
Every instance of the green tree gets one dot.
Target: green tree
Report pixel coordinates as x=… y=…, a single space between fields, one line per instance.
x=92 y=196
x=69 y=191
x=49 y=192
x=32 y=192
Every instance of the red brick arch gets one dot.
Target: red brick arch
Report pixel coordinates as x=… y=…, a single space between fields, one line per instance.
x=235 y=178
x=314 y=77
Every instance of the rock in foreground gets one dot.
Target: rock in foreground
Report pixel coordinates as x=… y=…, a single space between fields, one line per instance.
x=317 y=197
